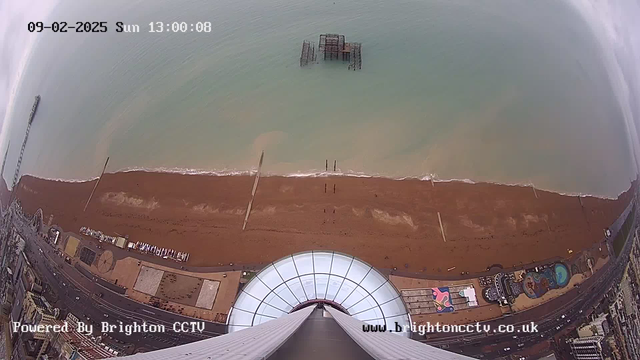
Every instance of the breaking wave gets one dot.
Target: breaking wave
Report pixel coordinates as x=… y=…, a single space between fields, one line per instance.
x=61 y=180
x=314 y=174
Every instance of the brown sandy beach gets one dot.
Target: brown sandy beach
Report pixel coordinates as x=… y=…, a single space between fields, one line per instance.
x=388 y=223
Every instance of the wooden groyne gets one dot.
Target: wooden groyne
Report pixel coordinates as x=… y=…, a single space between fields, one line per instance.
x=253 y=193
x=104 y=168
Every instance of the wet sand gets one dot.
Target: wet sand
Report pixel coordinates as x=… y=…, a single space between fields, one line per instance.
x=388 y=223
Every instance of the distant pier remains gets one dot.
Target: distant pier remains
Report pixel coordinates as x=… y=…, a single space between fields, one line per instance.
x=333 y=47
x=308 y=53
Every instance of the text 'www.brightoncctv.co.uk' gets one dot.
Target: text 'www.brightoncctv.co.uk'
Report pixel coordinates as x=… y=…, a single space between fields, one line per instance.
x=430 y=328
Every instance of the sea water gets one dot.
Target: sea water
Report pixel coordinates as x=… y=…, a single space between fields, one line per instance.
x=502 y=91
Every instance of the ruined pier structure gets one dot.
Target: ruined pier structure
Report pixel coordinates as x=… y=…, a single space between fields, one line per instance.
x=333 y=47
x=308 y=53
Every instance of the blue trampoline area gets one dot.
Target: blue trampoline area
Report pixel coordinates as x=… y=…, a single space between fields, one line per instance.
x=562 y=274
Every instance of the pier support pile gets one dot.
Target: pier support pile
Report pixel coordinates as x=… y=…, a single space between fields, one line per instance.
x=356 y=58
x=308 y=53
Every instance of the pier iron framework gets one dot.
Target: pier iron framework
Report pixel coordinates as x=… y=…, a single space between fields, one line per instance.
x=332 y=47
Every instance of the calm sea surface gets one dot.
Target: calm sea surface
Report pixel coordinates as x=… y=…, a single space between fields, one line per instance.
x=501 y=90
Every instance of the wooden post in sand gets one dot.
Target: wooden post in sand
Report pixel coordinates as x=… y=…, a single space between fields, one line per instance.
x=96 y=185
x=534 y=189
x=584 y=213
x=441 y=227
x=335 y=164
x=253 y=192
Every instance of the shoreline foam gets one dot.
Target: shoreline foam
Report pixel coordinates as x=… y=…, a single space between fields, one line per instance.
x=318 y=174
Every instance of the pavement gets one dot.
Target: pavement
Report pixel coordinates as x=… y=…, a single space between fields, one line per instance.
x=119 y=254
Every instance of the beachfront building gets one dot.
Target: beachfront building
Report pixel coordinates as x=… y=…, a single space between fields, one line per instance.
x=597 y=327
x=73 y=345
x=36 y=311
x=587 y=348
x=313 y=305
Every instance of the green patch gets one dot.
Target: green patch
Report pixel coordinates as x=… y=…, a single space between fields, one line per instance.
x=623 y=234
x=248 y=275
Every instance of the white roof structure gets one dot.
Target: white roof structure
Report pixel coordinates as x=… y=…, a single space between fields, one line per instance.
x=257 y=343
x=262 y=341
x=346 y=283
x=272 y=307
x=470 y=294
x=385 y=346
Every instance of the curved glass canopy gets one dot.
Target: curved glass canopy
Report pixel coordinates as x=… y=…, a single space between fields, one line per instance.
x=343 y=281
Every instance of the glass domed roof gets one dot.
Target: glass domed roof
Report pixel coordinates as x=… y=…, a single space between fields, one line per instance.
x=343 y=281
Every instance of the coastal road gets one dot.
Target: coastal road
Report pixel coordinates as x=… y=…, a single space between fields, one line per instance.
x=76 y=298
x=78 y=293
x=552 y=317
